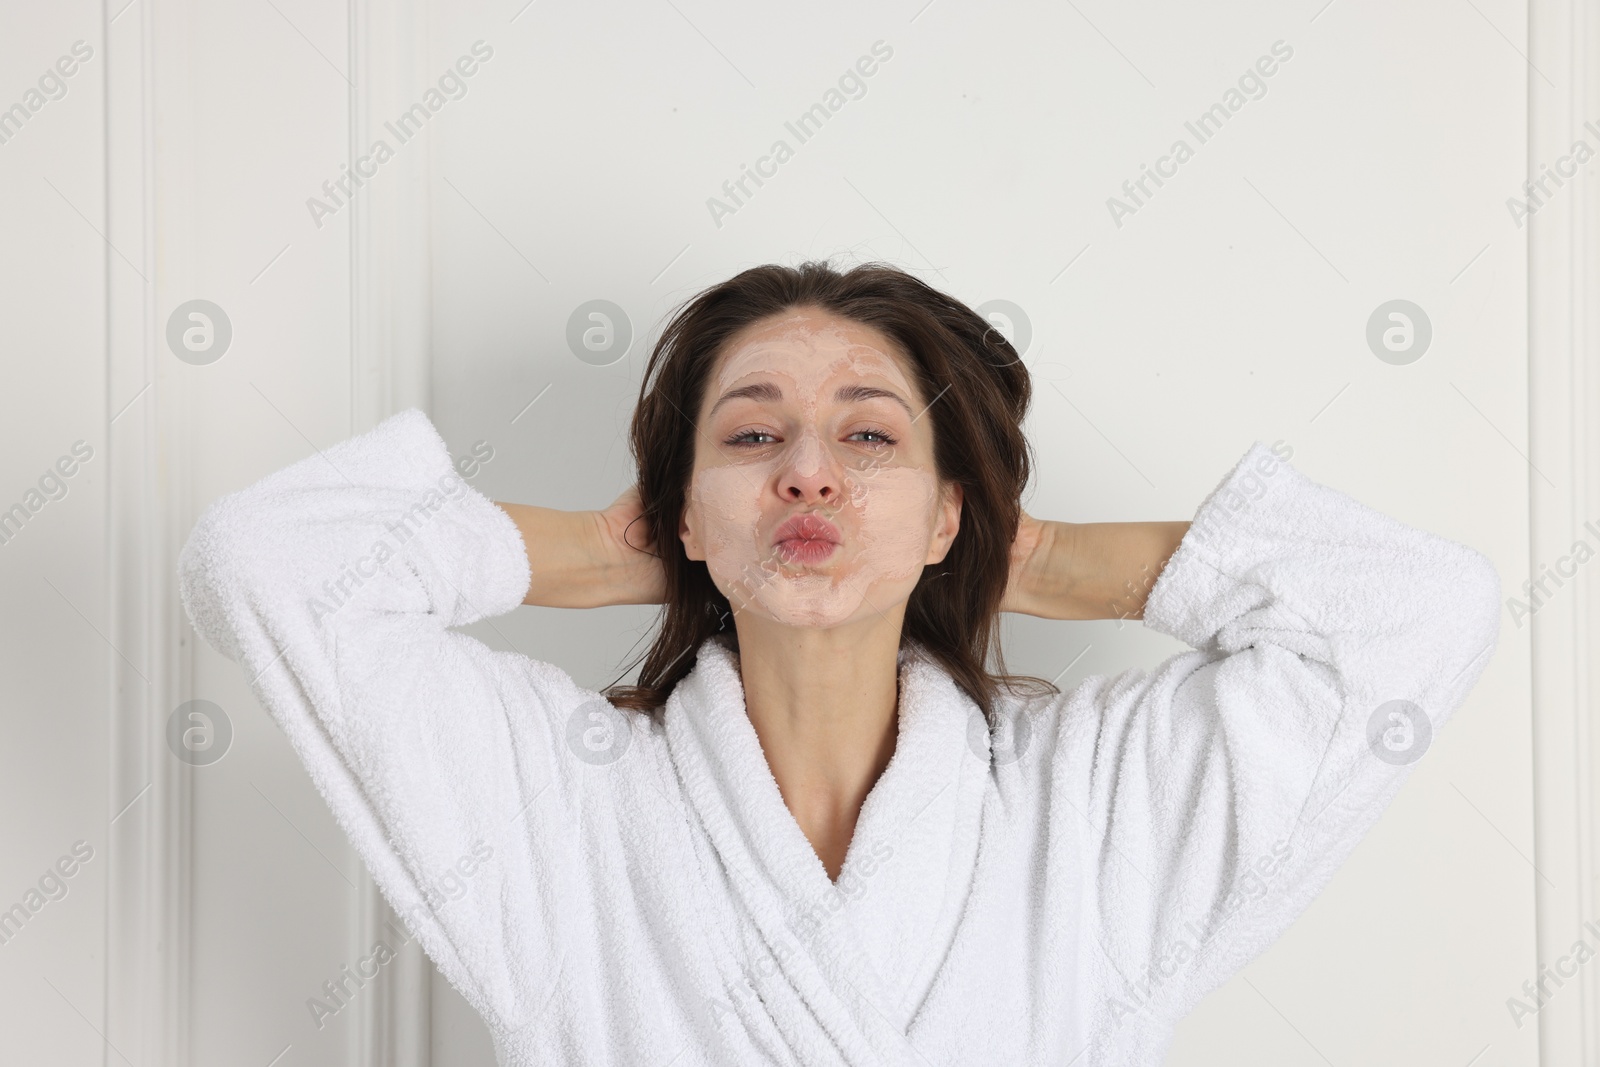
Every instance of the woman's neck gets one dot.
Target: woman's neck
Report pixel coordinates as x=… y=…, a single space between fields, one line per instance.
x=824 y=704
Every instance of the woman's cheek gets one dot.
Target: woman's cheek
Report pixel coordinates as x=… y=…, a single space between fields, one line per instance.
x=859 y=479
x=897 y=507
x=730 y=516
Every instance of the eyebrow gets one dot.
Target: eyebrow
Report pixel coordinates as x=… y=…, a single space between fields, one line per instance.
x=767 y=392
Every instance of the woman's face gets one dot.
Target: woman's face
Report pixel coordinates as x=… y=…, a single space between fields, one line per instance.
x=814 y=499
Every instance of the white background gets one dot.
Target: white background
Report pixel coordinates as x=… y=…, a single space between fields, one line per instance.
x=1231 y=307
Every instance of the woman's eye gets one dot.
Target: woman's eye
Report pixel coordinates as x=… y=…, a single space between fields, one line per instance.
x=747 y=437
x=744 y=438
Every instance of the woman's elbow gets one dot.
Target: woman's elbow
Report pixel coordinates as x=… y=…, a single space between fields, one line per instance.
x=1480 y=605
x=211 y=568
x=1464 y=618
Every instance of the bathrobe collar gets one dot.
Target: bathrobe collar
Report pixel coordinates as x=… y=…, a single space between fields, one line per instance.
x=873 y=942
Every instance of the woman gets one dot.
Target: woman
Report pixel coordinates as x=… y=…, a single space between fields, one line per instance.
x=819 y=830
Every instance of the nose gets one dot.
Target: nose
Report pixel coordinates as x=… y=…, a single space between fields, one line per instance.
x=809 y=474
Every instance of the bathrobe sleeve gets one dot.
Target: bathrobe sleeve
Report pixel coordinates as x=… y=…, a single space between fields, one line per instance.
x=1222 y=790
x=335 y=583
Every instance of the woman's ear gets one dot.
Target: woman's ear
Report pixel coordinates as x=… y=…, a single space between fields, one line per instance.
x=949 y=522
x=689 y=536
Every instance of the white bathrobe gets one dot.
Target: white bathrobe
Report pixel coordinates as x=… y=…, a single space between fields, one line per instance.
x=1057 y=887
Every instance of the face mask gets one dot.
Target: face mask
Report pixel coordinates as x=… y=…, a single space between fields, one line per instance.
x=869 y=510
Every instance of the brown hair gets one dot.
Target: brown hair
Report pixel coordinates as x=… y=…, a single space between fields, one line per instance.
x=980 y=392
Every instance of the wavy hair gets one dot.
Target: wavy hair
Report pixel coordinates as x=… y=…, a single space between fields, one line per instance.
x=980 y=391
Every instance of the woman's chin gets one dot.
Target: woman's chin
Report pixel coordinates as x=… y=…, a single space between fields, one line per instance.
x=810 y=620
x=820 y=595
x=817 y=602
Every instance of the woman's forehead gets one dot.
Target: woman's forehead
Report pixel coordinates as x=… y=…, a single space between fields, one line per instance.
x=811 y=349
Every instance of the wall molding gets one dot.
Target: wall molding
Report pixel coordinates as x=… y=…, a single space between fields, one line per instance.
x=390 y=369
x=148 y=972
x=149 y=984
x=1564 y=444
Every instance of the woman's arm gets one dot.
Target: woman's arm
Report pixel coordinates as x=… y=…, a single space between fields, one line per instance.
x=1210 y=799
x=1088 y=570
x=589 y=559
x=336 y=583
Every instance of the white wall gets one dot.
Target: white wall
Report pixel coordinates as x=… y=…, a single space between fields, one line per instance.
x=54 y=661
x=1232 y=306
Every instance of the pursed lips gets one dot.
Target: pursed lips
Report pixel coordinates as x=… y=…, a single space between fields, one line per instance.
x=807 y=538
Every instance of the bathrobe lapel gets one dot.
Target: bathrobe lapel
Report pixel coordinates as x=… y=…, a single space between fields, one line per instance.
x=853 y=954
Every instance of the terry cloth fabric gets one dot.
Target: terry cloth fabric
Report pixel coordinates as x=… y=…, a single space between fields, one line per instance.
x=1060 y=884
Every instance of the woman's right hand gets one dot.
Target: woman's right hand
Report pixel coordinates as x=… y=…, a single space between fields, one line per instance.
x=628 y=550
